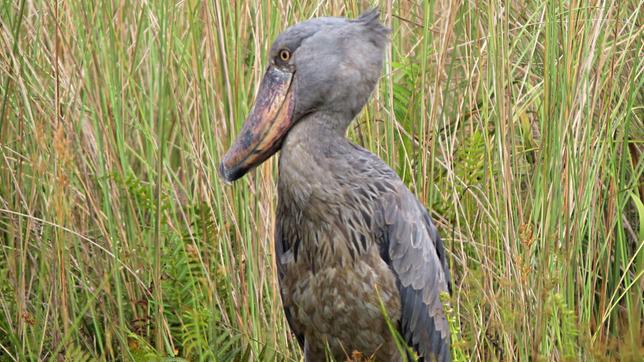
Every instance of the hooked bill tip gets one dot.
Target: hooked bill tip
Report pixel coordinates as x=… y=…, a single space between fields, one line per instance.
x=230 y=175
x=224 y=174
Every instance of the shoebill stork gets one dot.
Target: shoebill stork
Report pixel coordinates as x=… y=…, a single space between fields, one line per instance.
x=349 y=235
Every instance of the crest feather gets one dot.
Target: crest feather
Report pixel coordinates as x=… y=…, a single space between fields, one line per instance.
x=370 y=21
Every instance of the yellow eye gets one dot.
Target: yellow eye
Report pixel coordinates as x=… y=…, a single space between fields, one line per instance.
x=285 y=55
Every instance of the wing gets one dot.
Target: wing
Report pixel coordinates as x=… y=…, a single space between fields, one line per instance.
x=415 y=253
x=281 y=253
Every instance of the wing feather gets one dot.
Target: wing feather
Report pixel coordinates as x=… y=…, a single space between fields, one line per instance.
x=416 y=255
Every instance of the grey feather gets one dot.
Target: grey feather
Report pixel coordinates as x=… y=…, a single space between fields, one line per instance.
x=422 y=274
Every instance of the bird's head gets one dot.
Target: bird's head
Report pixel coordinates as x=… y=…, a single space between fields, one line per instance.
x=328 y=65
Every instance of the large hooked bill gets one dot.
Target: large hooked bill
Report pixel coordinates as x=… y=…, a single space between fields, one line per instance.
x=264 y=129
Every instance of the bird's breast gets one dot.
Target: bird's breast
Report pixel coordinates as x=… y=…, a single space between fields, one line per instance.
x=340 y=305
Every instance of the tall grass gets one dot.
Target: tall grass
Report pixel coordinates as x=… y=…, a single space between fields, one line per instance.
x=519 y=125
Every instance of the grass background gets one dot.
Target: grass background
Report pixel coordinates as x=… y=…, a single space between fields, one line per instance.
x=519 y=124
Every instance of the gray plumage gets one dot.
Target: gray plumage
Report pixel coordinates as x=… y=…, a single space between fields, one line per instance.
x=349 y=234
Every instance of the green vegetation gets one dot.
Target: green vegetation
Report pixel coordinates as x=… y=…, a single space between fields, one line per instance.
x=519 y=124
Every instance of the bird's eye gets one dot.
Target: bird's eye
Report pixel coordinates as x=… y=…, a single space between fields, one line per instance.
x=285 y=55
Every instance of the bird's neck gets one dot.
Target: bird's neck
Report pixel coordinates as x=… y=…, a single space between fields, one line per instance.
x=316 y=133
x=312 y=158
x=321 y=125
